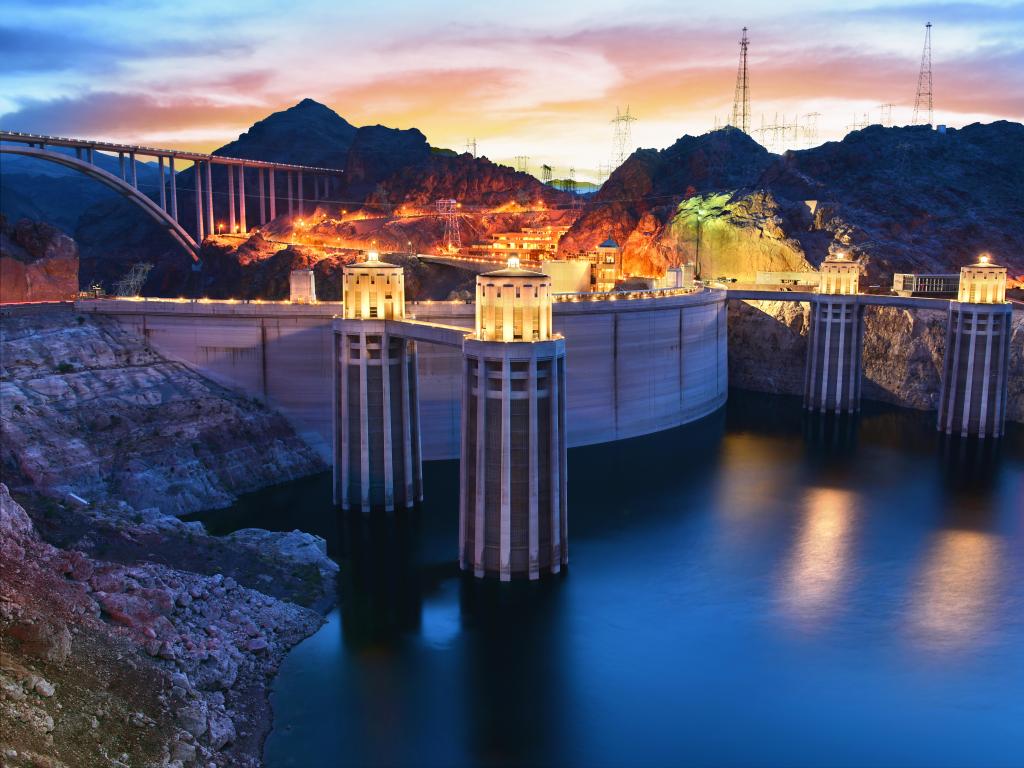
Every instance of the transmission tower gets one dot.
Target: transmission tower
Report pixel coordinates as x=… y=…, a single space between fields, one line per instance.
x=447 y=209
x=622 y=141
x=885 y=114
x=523 y=163
x=856 y=125
x=471 y=146
x=131 y=284
x=545 y=173
x=570 y=183
x=810 y=129
x=741 y=101
x=923 y=100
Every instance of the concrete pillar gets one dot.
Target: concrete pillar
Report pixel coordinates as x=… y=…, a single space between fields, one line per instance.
x=92 y=155
x=78 y=153
x=291 y=194
x=135 y=170
x=163 y=181
x=377 y=457
x=263 y=198
x=975 y=370
x=512 y=503
x=211 y=226
x=832 y=374
x=120 y=162
x=273 y=196
x=241 y=200
x=198 y=174
x=231 y=198
x=174 y=185
x=299 y=185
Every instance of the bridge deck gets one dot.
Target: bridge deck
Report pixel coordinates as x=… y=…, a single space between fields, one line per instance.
x=908 y=302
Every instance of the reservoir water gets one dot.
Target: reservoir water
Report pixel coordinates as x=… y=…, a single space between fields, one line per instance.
x=756 y=589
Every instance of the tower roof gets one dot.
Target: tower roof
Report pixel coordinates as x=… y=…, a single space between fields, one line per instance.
x=609 y=243
x=373 y=261
x=513 y=270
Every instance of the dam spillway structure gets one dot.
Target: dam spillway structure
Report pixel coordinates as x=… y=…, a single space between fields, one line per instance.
x=832 y=378
x=972 y=402
x=377 y=462
x=512 y=501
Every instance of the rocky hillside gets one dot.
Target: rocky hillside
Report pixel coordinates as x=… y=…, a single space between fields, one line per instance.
x=37 y=263
x=87 y=408
x=903 y=353
x=898 y=199
x=141 y=641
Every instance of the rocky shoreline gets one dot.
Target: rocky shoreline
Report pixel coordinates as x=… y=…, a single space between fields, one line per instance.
x=129 y=637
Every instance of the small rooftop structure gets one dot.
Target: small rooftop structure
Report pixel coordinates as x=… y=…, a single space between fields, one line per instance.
x=982 y=282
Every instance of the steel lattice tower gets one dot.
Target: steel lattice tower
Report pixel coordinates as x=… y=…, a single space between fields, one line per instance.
x=923 y=101
x=741 y=101
x=622 y=138
x=447 y=210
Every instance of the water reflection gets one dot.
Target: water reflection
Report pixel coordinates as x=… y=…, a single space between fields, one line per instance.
x=955 y=595
x=817 y=572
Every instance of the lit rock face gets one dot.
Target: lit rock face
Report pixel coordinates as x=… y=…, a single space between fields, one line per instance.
x=37 y=263
x=87 y=408
x=902 y=357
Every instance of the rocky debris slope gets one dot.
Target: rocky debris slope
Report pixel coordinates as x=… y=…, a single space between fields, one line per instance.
x=87 y=408
x=903 y=353
x=37 y=263
x=125 y=662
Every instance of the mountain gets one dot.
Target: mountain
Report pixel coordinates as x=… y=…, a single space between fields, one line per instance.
x=897 y=199
x=307 y=134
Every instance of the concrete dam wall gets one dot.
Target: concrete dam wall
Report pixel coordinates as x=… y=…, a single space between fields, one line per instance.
x=633 y=366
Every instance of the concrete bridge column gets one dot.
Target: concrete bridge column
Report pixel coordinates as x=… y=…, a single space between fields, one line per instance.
x=92 y=155
x=273 y=196
x=299 y=184
x=120 y=162
x=199 y=200
x=231 y=198
x=163 y=182
x=211 y=227
x=135 y=170
x=832 y=374
x=174 y=185
x=241 y=200
x=513 y=518
x=263 y=199
x=291 y=193
x=975 y=369
x=377 y=456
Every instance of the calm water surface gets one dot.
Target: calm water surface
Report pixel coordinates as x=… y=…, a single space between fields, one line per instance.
x=755 y=589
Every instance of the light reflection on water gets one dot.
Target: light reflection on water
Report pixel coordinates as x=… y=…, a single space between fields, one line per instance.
x=755 y=589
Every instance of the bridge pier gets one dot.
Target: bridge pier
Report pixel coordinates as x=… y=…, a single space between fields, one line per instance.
x=273 y=196
x=263 y=200
x=241 y=200
x=198 y=174
x=832 y=374
x=291 y=194
x=174 y=185
x=211 y=226
x=512 y=504
x=231 y=200
x=299 y=180
x=377 y=455
x=975 y=369
x=163 y=182
x=135 y=170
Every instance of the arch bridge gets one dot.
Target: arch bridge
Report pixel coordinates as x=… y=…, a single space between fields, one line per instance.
x=164 y=208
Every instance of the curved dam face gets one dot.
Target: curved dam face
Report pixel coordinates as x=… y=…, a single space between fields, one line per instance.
x=633 y=366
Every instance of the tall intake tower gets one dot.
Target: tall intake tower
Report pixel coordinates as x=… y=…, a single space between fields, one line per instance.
x=512 y=515
x=975 y=368
x=377 y=462
x=833 y=373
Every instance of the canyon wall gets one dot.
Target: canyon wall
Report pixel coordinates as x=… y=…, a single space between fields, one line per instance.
x=86 y=407
x=903 y=353
x=37 y=263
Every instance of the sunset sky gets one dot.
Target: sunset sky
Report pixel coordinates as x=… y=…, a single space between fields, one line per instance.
x=536 y=78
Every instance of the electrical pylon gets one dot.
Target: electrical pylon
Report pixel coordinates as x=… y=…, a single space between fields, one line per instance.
x=741 y=101
x=923 y=100
x=622 y=139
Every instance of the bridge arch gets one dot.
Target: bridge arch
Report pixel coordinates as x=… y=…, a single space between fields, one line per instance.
x=154 y=211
